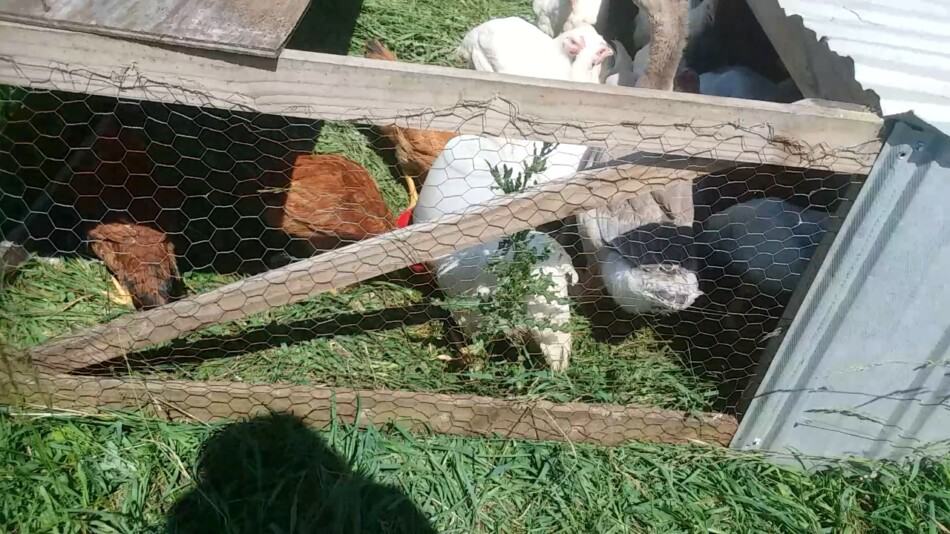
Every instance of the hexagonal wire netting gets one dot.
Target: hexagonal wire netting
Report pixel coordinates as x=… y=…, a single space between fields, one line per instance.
x=633 y=314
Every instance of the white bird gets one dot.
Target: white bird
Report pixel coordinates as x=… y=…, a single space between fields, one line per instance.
x=514 y=46
x=550 y=15
x=588 y=65
x=461 y=178
x=583 y=12
x=631 y=243
x=556 y=16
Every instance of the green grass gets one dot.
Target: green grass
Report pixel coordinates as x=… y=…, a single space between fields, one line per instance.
x=373 y=335
x=428 y=31
x=348 y=139
x=123 y=473
x=45 y=300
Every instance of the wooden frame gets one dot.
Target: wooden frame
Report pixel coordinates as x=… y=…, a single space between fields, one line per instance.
x=329 y=87
x=693 y=131
x=463 y=415
x=354 y=263
x=248 y=27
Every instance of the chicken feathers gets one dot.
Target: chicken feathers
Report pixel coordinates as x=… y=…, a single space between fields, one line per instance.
x=327 y=200
x=415 y=149
x=141 y=258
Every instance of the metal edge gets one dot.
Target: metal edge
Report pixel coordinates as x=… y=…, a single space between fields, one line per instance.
x=836 y=282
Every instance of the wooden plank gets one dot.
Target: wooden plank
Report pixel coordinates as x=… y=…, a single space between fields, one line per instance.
x=321 y=86
x=360 y=261
x=241 y=26
x=464 y=415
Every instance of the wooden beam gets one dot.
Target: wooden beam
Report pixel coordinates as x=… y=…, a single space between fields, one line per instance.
x=245 y=27
x=321 y=86
x=464 y=415
x=418 y=243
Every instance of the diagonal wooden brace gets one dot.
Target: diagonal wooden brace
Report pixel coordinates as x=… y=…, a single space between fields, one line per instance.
x=418 y=243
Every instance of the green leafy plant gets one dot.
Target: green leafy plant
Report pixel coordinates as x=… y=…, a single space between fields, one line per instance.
x=504 y=310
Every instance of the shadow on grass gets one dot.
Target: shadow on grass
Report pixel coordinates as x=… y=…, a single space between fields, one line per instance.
x=272 y=474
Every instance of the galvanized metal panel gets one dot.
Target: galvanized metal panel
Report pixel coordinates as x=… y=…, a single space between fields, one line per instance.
x=839 y=49
x=244 y=26
x=864 y=369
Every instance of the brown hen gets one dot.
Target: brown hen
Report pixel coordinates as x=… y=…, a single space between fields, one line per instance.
x=141 y=258
x=327 y=200
x=415 y=149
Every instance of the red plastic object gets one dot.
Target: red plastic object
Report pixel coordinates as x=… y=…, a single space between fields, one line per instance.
x=404 y=220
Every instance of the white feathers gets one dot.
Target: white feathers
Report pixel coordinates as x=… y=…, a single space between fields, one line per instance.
x=583 y=12
x=650 y=289
x=466 y=274
x=460 y=178
x=515 y=46
x=556 y=16
x=640 y=269
x=550 y=15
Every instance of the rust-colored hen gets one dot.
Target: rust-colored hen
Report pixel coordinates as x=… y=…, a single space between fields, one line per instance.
x=141 y=258
x=328 y=201
x=415 y=149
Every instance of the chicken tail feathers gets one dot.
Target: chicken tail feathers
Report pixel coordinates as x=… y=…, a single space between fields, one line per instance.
x=375 y=49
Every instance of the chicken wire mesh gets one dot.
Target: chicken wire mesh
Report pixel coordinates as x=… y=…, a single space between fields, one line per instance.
x=642 y=320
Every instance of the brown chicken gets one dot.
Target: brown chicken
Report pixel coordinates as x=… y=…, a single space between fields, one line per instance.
x=415 y=149
x=141 y=258
x=327 y=200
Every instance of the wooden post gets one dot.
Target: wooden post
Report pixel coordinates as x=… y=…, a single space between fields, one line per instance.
x=463 y=415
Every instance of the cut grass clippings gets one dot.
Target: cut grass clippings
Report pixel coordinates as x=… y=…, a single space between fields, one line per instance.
x=124 y=473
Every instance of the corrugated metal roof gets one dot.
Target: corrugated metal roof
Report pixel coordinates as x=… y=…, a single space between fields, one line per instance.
x=900 y=51
x=864 y=369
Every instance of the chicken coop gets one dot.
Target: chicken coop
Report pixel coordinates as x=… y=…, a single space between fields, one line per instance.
x=208 y=215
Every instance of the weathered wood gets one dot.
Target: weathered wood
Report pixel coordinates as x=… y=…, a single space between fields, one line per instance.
x=418 y=243
x=242 y=26
x=465 y=415
x=330 y=87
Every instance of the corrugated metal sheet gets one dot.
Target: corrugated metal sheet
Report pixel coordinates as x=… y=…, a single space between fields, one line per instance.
x=864 y=370
x=900 y=51
x=252 y=27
